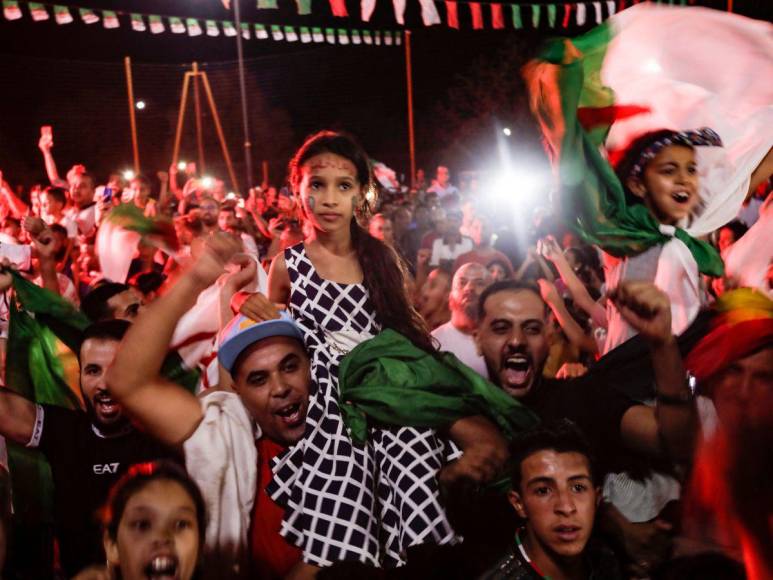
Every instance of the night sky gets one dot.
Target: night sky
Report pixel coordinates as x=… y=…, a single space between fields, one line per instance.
x=72 y=77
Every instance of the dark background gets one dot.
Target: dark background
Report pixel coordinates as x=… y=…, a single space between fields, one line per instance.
x=466 y=87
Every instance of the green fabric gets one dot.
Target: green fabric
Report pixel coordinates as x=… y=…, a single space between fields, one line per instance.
x=591 y=197
x=389 y=381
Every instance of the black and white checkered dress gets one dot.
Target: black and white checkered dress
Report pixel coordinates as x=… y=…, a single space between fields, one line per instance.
x=343 y=501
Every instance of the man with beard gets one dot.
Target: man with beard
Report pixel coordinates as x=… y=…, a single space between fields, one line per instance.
x=432 y=301
x=88 y=451
x=209 y=213
x=229 y=437
x=456 y=336
x=112 y=300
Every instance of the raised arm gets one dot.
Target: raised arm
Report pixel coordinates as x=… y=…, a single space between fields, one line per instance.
x=17 y=207
x=573 y=331
x=45 y=144
x=163 y=408
x=674 y=421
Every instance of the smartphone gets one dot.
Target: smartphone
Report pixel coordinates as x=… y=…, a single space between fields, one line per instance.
x=107 y=194
x=19 y=256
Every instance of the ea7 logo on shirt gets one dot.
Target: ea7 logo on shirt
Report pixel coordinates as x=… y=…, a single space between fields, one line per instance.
x=106 y=468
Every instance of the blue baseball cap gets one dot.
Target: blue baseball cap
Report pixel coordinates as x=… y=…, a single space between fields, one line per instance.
x=242 y=332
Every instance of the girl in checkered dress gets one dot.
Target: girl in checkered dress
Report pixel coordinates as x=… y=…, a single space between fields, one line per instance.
x=345 y=501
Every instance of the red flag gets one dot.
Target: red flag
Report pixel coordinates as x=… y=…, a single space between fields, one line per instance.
x=339 y=8
x=477 y=15
x=567 y=14
x=621 y=5
x=452 y=15
x=497 y=18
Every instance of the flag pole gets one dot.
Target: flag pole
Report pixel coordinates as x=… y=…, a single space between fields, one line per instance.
x=243 y=92
x=409 y=84
x=197 y=110
x=132 y=121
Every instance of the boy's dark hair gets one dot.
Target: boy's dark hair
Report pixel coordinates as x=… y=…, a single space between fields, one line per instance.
x=138 y=477
x=58 y=193
x=504 y=286
x=147 y=282
x=561 y=436
x=94 y=304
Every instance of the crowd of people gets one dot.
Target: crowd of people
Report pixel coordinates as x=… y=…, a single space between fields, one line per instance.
x=352 y=377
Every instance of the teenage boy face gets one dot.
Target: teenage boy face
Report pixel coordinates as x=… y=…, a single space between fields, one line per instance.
x=558 y=500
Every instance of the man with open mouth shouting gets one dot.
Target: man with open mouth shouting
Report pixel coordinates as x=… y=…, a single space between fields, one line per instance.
x=87 y=452
x=229 y=437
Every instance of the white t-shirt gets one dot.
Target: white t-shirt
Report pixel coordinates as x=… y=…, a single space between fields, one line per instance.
x=442 y=252
x=462 y=345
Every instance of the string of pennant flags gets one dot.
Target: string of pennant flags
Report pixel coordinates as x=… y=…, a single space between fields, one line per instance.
x=157 y=24
x=500 y=16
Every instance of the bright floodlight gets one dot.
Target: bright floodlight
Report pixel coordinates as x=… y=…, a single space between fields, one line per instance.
x=128 y=175
x=516 y=186
x=207 y=182
x=140 y=105
x=182 y=165
x=507 y=131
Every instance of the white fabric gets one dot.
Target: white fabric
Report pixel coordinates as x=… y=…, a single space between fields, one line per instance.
x=597 y=11
x=366 y=9
x=748 y=259
x=640 y=500
x=580 y=14
x=462 y=345
x=611 y=7
x=442 y=252
x=115 y=248
x=222 y=459
x=429 y=13
x=696 y=67
x=750 y=212
x=399 y=6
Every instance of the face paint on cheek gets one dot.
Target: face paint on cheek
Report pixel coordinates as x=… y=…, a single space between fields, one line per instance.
x=312 y=202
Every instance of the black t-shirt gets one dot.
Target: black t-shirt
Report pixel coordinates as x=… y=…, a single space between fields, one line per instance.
x=84 y=465
x=595 y=407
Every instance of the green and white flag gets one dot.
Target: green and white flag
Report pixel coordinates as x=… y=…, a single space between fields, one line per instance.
x=367 y=37
x=228 y=28
x=176 y=25
x=246 y=31
x=156 y=24
x=110 y=19
x=388 y=38
x=261 y=32
x=304 y=7
x=88 y=16
x=343 y=38
x=38 y=11
x=377 y=37
x=517 y=20
x=536 y=14
x=398 y=38
x=316 y=35
x=290 y=34
x=11 y=10
x=305 y=34
x=212 y=28
x=138 y=23
x=356 y=38
x=552 y=15
x=194 y=29
x=276 y=32
x=62 y=14
x=330 y=35
x=267 y=5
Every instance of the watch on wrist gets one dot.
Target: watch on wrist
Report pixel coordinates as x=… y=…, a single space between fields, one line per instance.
x=684 y=398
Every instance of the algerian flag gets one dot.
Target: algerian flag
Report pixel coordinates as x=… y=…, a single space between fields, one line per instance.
x=304 y=7
x=276 y=32
x=110 y=19
x=267 y=4
x=367 y=37
x=88 y=16
x=138 y=23
x=646 y=68
x=330 y=35
x=356 y=39
x=305 y=34
x=398 y=38
x=245 y=31
x=316 y=35
x=194 y=29
x=517 y=20
x=228 y=28
x=388 y=38
x=377 y=37
x=156 y=24
x=62 y=14
x=211 y=27
x=38 y=11
x=290 y=34
x=261 y=32
x=552 y=15
x=11 y=10
x=536 y=13
x=176 y=25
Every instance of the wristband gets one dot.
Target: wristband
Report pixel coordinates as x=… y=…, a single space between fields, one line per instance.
x=684 y=398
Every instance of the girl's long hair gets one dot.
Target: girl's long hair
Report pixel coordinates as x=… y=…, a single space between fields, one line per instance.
x=383 y=271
